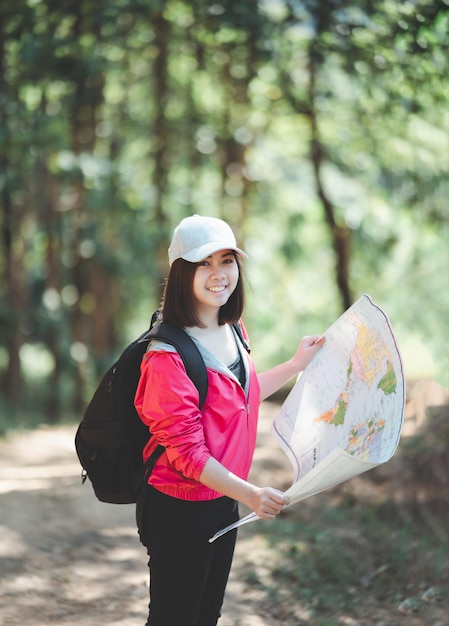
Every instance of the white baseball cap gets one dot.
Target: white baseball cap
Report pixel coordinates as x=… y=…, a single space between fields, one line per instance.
x=196 y=237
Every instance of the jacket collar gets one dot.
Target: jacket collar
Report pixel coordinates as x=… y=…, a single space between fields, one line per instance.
x=210 y=360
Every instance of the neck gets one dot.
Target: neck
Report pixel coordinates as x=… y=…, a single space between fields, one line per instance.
x=209 y=319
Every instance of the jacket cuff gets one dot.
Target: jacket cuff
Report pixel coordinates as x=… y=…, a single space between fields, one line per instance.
x=200 y=465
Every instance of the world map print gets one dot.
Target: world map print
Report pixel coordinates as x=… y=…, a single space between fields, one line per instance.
x=344 y=415
x=351 y=395
x=364 y=366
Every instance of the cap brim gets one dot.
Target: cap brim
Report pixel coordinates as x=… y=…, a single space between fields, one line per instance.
x=200 y=253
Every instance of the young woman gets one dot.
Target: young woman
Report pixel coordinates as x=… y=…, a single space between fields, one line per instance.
x=195 y=485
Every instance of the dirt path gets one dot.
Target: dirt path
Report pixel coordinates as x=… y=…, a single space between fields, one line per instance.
x=67 y=559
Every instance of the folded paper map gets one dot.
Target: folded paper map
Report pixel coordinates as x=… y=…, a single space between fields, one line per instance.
x=344 y=415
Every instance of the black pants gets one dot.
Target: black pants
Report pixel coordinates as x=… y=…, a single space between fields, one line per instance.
x=188 y=575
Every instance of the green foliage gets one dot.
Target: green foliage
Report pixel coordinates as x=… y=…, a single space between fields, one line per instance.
x=318 y=566
x=378 y=540
x=118 y=118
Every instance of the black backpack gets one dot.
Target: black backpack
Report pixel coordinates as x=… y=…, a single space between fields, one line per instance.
x=111 y=437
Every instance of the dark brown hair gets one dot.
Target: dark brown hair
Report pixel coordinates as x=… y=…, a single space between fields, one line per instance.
x=178 y=303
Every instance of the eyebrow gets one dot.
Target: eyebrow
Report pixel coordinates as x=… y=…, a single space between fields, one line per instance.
x=225 y=254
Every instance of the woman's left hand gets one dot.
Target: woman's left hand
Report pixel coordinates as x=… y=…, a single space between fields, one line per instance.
x=307 y=349
x=273 y=379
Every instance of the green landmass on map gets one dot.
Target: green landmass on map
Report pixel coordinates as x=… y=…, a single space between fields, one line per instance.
x=337 y=414
x=349 y=370
x=340 y=414
x=388 y=381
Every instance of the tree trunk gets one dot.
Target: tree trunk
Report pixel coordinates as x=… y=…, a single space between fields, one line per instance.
x=47 y=203
x=340 y=234
x=84 y=114
x=160 y=133
x=15 y=291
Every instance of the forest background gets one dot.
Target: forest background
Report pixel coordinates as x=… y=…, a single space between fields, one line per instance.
x=318 y=130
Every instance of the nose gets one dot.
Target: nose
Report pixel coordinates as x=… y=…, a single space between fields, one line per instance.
x=217 y=271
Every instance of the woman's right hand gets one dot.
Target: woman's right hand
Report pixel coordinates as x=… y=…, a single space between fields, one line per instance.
x=268 y=502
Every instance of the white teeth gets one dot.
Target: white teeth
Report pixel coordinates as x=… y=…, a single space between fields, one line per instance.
x=217 y=289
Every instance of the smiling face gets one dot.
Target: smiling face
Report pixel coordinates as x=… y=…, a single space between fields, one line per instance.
x=215 y=279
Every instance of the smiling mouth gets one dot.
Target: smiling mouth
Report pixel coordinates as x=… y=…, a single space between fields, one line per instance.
x=217 y=289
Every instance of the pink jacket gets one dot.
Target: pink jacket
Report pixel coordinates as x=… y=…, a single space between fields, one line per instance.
x=168 y=402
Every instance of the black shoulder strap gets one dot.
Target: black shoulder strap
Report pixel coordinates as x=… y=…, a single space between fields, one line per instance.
x=238 y=329
x=187 y=350
x=193 y=362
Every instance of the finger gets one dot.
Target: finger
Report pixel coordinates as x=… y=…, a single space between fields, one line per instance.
x=269 y=514
x=314 y=341
x=280 y=498
x=274 y=508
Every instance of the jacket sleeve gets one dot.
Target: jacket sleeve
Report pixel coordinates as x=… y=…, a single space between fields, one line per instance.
x=167 y=401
